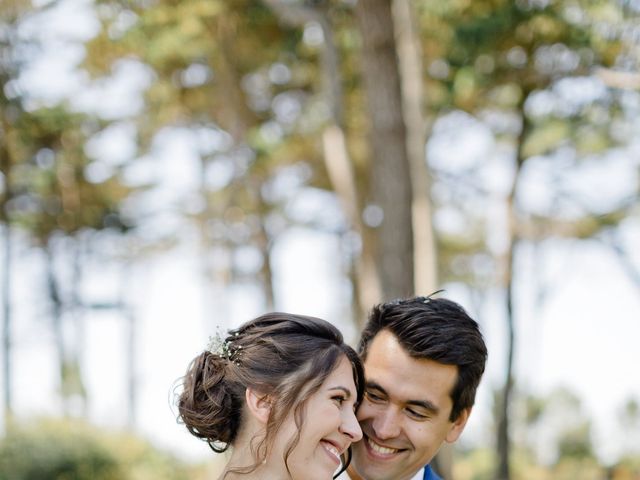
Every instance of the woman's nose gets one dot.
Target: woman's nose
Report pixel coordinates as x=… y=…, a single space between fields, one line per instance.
x=351 y=427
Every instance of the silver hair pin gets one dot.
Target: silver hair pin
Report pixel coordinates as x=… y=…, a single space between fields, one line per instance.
x=224 y=346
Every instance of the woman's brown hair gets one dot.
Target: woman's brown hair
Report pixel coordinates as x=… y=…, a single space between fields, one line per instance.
x=283 y=356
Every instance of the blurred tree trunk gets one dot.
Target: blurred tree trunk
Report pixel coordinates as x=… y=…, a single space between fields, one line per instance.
x=365 y=278
x=71 y=385
x=339 y=165
x=413 y=103
x=78 y=319
x=236 y=113
x=5 y=168
x=238 y=120
x=264 y=243
x=9 y=14
x=389 y=207
x=614 y=241
x=503 y=421
x=513 y=235
x=124 y=306
x=56 y=319
x=6 y=319
x=132 y=384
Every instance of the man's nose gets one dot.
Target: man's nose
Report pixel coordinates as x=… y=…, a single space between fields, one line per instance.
x=351 y=427
x=387 y=424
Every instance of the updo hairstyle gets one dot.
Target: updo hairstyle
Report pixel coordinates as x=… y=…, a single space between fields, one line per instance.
x=286 y=357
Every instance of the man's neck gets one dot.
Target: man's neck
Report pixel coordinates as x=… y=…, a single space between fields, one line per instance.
x=351 y=471
x=353 y=475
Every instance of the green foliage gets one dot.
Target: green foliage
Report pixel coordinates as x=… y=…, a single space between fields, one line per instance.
x=48 y=175
x=65 y=450
x=570 y=468
x=576 y=442
x=507 y=60
x=556 y=419
x=231 y=70
x=547 y=137
x=56 y=451
x=499 y=42
x=477 y=464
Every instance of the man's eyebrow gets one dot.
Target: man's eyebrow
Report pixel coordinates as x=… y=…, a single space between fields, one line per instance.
x=375 y=386
x=426 y=404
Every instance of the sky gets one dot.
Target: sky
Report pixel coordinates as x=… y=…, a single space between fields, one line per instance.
x=583 y=334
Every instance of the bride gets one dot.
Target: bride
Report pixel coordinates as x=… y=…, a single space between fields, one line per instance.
x=281 y=391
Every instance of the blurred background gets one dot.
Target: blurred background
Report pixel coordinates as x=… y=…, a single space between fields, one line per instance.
x=169 y=167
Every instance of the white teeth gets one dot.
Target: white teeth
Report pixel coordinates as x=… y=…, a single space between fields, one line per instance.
x=331 y=449
x=380 y=449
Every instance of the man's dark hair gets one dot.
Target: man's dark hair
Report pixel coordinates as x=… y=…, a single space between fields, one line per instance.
x=436 y=329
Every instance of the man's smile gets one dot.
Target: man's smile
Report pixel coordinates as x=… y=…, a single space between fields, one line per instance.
x=380 y=451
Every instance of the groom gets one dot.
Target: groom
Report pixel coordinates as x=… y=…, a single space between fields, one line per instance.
x=423 y=359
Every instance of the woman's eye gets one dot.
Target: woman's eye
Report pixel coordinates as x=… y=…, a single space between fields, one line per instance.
x=339 y=399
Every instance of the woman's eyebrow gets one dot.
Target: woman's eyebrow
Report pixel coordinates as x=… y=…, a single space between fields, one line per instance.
x=346 y=391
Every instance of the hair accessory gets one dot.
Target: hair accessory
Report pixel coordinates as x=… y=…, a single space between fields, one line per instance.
x=411 y=301
x=224 y=346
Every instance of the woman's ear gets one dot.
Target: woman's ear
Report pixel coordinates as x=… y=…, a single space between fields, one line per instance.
x=259 y=405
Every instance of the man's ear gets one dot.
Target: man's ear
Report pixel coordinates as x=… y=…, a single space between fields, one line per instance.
x=458 y=426
x=259 y=405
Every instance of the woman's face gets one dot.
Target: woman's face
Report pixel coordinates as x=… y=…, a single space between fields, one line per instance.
x=329 y=427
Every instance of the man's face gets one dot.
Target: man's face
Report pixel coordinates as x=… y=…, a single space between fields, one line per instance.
x=405 y=413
